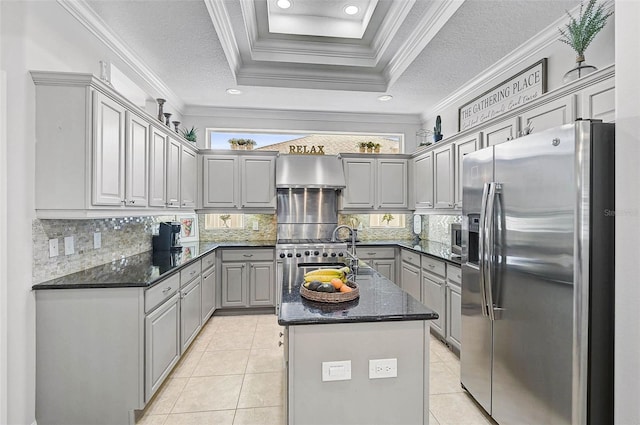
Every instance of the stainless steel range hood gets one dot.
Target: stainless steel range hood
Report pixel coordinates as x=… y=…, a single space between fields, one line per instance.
x=309 y=171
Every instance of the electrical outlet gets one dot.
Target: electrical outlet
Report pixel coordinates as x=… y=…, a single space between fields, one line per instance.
x=97 y=240
x=68 y=245
x=336 y=371
x=383 y=368
x=255 y=225
x=53 y=248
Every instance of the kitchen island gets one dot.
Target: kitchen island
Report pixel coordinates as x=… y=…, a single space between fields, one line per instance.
x=384 y=323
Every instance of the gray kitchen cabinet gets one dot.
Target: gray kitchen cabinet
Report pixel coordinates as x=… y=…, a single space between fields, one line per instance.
x=410 y=273
x=157 y=168
x=500 y=132
x=375 y=183
x=444 y=174
x=208 y=286
x=381 y=259
x=162 y=344
x=188 y=177
x=239 y=182
x=423 y=181
x=261 y=284
x=433 y=291
x=464 y=147
x=136 y=161
x=108 y=151
x=598 y=101
x=360 y=179
x=174 y=149
x=454 y=306
x=551 y=114
x=248 y=278
x=234 y=288
x=108 y=156
x=190 y=312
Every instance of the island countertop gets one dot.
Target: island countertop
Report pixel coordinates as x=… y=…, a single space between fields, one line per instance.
x=380 y=300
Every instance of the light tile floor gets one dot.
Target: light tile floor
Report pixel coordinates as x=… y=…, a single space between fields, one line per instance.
x=233 y=372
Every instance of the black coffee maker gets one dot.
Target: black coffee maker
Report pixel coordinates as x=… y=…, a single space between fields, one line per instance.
x=168 y=237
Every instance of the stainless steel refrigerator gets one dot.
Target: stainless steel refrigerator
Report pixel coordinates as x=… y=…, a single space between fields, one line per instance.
x=538 y=276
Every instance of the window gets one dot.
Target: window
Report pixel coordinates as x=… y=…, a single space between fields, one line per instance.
x=331 y=143
x=386 y=220
x=223 y=221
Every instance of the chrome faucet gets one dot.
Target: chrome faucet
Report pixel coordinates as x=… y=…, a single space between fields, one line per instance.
x=353 y=232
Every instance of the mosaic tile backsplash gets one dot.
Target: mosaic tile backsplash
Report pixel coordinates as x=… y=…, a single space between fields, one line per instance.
x=436 y=227
x=120 y=238
x=368 y=233
x=266 y=229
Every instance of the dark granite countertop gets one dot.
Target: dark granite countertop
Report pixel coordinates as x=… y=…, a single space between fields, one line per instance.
x=380 y=300
x=435 y=249
x=141 y=270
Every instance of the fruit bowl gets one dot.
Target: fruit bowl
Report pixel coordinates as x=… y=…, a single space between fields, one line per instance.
x=331 y=297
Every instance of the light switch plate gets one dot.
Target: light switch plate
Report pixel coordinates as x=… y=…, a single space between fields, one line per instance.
x=383 y=368
x=336 y=371
x=255 y=225
x=97 y=240
x=53 y=248
x=68 y=245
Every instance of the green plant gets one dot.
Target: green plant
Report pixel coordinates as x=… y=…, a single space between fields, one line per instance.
x=242 y=142
x=190 y=135
x=388 y=218
x=371 y=145
x=580 y=32
x=377 y=145
x=225 y=218
x=437 y=130
x=362 y=144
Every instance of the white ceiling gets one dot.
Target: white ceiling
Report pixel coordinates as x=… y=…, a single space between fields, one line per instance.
x=419 y=51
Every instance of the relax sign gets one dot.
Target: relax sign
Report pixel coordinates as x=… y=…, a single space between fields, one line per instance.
x=306 y=150
x=518 y=90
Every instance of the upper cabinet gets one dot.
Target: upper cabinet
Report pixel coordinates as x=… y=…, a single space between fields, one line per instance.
x=444 y=173
x=98 y=155
x=188 y=177
x=232 y=181
x=423 y=181
x=380 y=183
x=501 y=132
x=548 y=115
x=463 y=147
x=599 y=101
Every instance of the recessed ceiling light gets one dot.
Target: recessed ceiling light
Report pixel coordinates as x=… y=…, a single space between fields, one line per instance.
x=283 y=4
x=234 y=91
x=385 y=98
x=351 y=10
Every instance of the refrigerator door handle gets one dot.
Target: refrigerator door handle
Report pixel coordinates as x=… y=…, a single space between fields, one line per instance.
x=482 y=248
x=490 y=247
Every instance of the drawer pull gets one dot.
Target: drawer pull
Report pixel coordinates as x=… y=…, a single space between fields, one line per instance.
x=167 y=289
x=371 y=253
x=458 y=276
x=192 y=272
x=430 y=266
x=247 y=255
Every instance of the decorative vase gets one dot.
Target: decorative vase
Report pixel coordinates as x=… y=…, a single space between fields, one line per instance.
x=363 y=149
x=160 y=112
x=167 y=117
x=581 y=69
x=369 y=150
x=437 y=138
x=176 y=124
x=376 y=149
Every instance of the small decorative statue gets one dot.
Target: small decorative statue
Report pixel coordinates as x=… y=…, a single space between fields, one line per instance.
x=437 y=130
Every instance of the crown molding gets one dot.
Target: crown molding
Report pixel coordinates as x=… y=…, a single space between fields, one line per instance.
x=434 y=18
x=390 y=25
x=224 y=28
x=522 y=55
x=297 y=115
x=80 y=10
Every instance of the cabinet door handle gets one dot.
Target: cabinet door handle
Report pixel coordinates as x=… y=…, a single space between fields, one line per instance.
x=242 y=266
x=280 y=343
x=430 y=266
x=281 y=334
x=167 y=289
x=458 y=276
x=123 y=202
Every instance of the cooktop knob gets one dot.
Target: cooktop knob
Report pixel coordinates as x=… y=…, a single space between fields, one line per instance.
x=324 y=254
x=316 y=252
x=341 y=254
x=307 y=253
x=298 y=255
x=282 y=255
x=289 y=255
x=333 y=254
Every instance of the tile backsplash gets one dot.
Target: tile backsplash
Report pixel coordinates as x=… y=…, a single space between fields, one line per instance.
x=266 y=224
x=368 y=233
x=120 y=238
x=436 y=227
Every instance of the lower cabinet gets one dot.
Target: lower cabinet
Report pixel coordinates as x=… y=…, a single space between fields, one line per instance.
x=433 y=296
x=190 y=312
x=410 y=280
x=208 y=293
x=386 y=268
x=250 y=282
x=162 y=344
x=454 y=315
x=381 y=259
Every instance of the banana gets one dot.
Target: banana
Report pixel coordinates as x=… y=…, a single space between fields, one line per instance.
x=337 y=272
x=323 y=278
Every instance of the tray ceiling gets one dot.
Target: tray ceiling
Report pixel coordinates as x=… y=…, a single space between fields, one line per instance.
x=419 y=51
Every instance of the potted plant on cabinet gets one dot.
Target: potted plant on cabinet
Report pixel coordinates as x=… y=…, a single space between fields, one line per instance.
x=362 y=146
x=191 y=135
x=580 y=32
x=437 y=130
x=376 y=147
x=370 y=146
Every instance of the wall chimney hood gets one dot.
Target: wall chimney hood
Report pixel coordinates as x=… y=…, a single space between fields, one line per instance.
x=309 y=171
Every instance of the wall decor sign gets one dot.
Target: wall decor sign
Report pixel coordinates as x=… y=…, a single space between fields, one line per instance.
x=518 y=90
x=306 y=150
